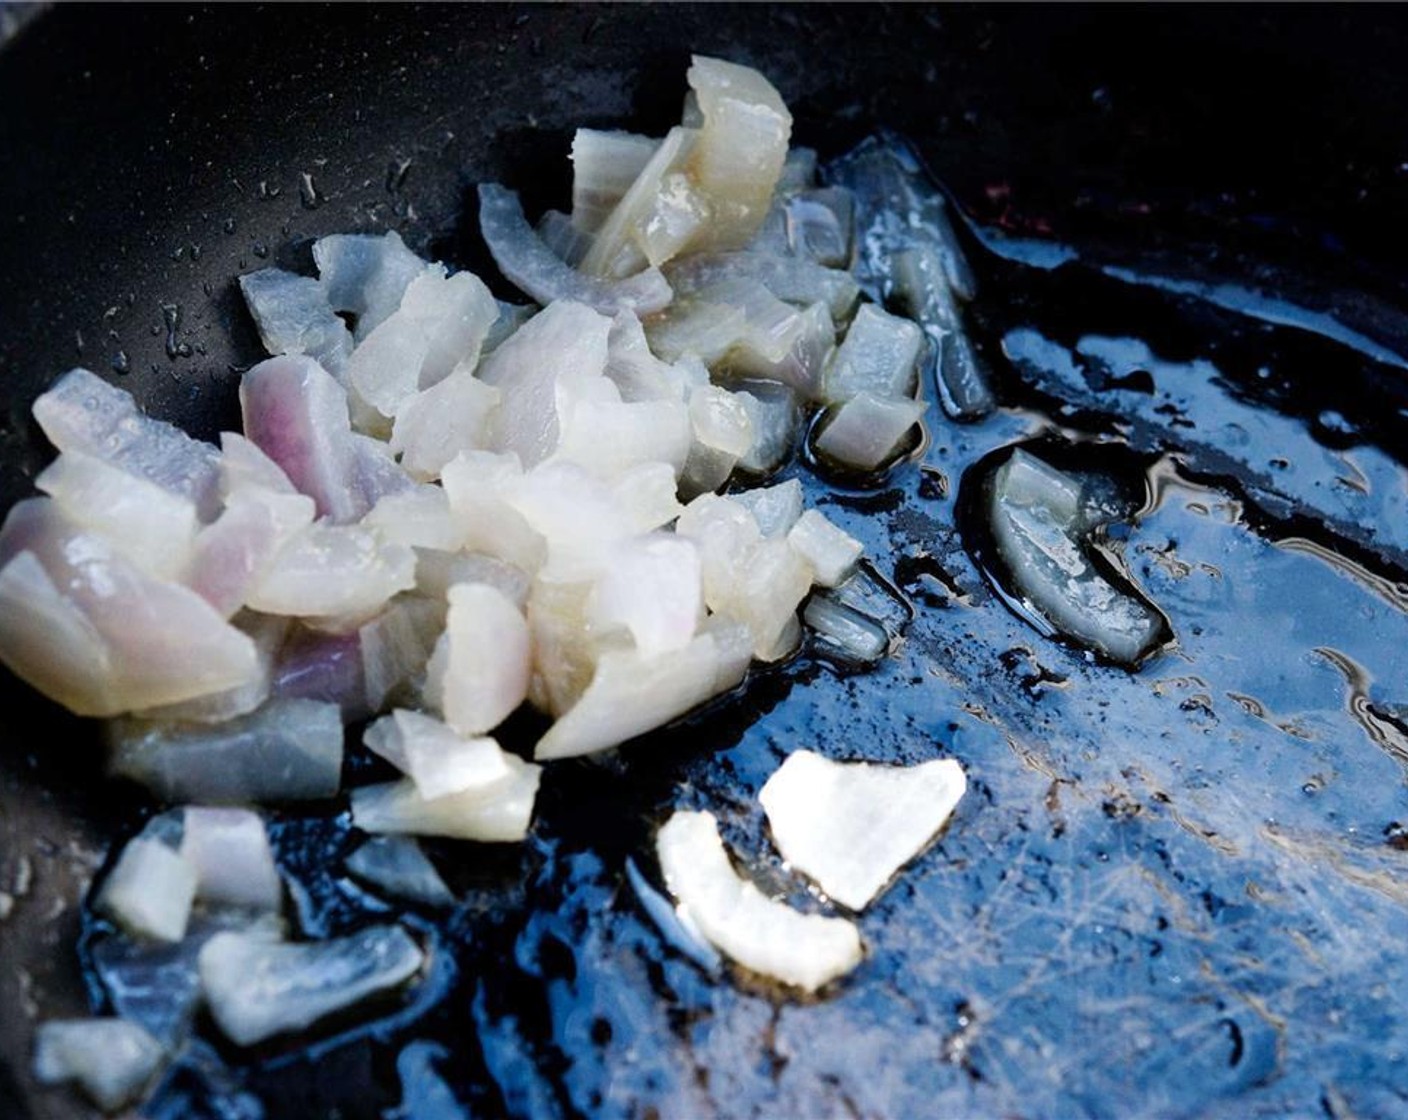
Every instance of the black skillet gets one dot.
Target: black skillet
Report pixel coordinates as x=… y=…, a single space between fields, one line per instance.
x=151 y=154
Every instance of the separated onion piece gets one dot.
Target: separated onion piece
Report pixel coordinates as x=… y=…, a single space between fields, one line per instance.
x=576 y=514
x=920 y=286
x=436 y=424
x=652 y=588
x=879 y=356
x=234 y=865
x=844 y=631
x=288 y=750
x=565 y=651
x=536 y=270
x=1036 y=524
x=152 y=527
x=438 y=759
x=497 y=814
x=637 y=373
x=365 y=275
x=604 y=165
x=256 y=988
x=831 y=552
x=293 y=316
x=804 y=951
x=775 y=508
x=149 y=891
x=671 y=922
x=478 y=674
x=233 y=554
x=794 y=280
x=632 y=693
x=396 y=646
x=867 y=432
x=723 y=432
x=334 y=570
x=113 y=1061
x=113 y=639
x=821 y=225
x=398 y=866
x=850 y=826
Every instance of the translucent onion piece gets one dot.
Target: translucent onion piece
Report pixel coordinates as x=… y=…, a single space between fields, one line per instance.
x=632 y=693
x=497 y=815
x=575 y=513
x=867 y=432
x=604 y=165
x=288 y=750
x=565 y=651
x=855 y=636
x=646 y=496
x=670 y=922
x=536 y=270
x=511 y=317
x=113 y=1061
x=821 y=225
x=234 y=865
x=438 y=423
x=791 y=279
x=741 y=149
x=477 y=483
x=420 y=518
x=804 y=951
x=436 y=757
x=82 y=412
x=777 y=421
x=880 y=356
x=798 y=171
x=113 y=639
x=921 y=287
x=256 y=988
x=723 y=431
x=323 y=666
x=149 y=891
x=775 y=508
x=330 y=570
x=365 y=275
x=478 y=673
x=396 y=646
x=850 y=826
x=831 y=552
x=611 y=437
x=234 y=553
x=566 y=242
x=244 y=467
x=437 y=571
x=652 y=587
x=293 y=316
x=398 y=866
x=1032 y=510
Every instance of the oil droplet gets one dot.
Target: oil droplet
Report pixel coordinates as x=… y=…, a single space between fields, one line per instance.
x=308 y=192
x=229 y=226
x=171 y=314
x=121 y=363
x=260 y=250
x=396 y=172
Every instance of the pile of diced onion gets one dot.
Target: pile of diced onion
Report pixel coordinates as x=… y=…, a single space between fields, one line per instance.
x=443 y=506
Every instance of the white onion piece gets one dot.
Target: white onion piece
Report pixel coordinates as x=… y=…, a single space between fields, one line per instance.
x=565 y=651
x=768 y=937
x=297 y=415
x=652 y=587
x=396 y=646
x=331 y=570
x=855 y=636
x=921 y=288
x=288 y=750
x=112 y=1060
x=293 y=316
x=149 y=891
x=420 y=518
x=646 y=496
x=256 y=988
x=440 y=326
x=723 y=432
x=500 y=815
x=478 y=674
x=564 y=342
x=82 y=412
x=831 y=552
x=604 y=165
x=791 y=279
x=396 y=865
x=438 y=423
x=867 y=431
x=850 y=826
x=477 y=483
x=879 y=356
x=1033 y=524
x=741 y=149
x=532 y=266
x=776 y=418
x=268 y=633
x=234 y=865
x=365 y=275
x=632 y=693
x=565 y=241
x=234 y=553
x=113 y=639
x=725 y=531
x=243 y=466
x=576 y=514
x=636 y=372
x=610 y=437
x=678 y=932
x=436 y=757
x=437 y=571
x=775 y=508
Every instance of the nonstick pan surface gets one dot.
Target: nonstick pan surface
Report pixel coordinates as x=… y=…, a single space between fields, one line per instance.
x=1179 y=892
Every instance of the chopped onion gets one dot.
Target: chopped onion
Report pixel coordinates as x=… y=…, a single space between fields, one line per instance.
x=880 y=356
x=497 y=814
x=234 y=553
x=652 y=588
x=437 y=758
x=855 y=636
x=331 y=570
x=604 y=165
x=478 y=673
x=850 y=826
x=831 y=552
x=365 y=276
x=398 y=866
x=288 y=750
x=112 y=1060
x=535 y=269
x=293 y=316
x=777 y=420
x=775 y=508
x=792 y=279
x=671 y=922
x=805 y=951
x=921 y=287
x=867 y=432
x=256 y=988
x=234 y=865
x=149 y=891
x=396 y=646
x=437 y=571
